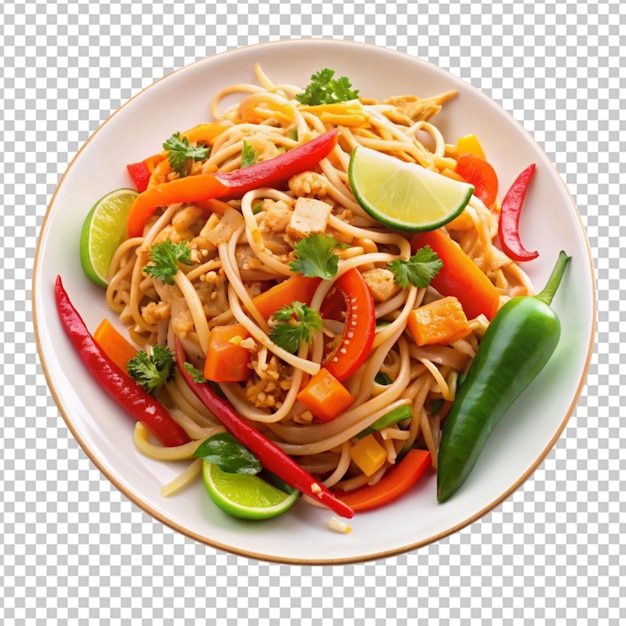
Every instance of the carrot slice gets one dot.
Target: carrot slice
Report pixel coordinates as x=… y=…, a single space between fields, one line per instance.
x=325 y=396
x=226 y=360
x=296 y=288
x=114 y=344
x=439 y=322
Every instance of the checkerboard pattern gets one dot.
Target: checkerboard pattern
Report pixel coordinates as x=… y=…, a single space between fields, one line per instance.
x=75 y=551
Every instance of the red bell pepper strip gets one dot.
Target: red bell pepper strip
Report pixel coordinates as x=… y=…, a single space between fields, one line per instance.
x=359 y=326
x=390 y=487
x=269 y=454
x=119 y=385
x=459 y=276
x=508 y=226
x=230 y=184
x=140 y=175
x=481 y=174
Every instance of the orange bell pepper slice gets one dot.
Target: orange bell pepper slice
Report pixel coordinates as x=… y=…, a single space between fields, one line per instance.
x=460 y=276
x=202 y=187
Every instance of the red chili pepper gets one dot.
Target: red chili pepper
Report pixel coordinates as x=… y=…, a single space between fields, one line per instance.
x=508 y=226
x=140 y=175
x=121 y=387
x=230 y=184
x=359 y=326
x=269 y=454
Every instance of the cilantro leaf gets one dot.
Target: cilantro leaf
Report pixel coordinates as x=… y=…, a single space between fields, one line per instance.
x=249 y=155
x=165 y=257
x=315 y=256
x=419 y=270
x=295 y=324
x=152 y=369
x=180 y=153
x=324 y=89
x=228 y=454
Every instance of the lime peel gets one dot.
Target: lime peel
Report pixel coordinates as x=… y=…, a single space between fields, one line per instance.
x=402 y=195
x=245 y=495
x=103 y=231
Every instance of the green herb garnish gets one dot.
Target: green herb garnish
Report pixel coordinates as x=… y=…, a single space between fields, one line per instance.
x=295 y=323
x=324 y=89
x=228 y=454
x=152 y=369
x=181 y=153
x=316 y=257
x=249 y=155
x=419 y=270
x=165 y=257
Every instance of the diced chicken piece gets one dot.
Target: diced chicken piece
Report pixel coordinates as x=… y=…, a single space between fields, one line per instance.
x=202 y=243
x=250 y=267
x=225 y=228
x=309 y=217
x=155 y=312
x=417 y=109
x=308 y=184
x=212 y=293
x=264 y=148
x=275 y=216
x=382 y=284
x=180 y=314
x=187 y=221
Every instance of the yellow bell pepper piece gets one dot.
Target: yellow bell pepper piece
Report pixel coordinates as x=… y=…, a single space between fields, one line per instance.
x=368 y=454
x=470 y=145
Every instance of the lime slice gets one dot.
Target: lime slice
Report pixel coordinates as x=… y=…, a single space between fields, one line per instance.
x=404 y=195
x=103 y=230
x=245 y=495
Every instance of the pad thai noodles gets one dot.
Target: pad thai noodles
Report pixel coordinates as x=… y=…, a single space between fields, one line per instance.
x=292 y=287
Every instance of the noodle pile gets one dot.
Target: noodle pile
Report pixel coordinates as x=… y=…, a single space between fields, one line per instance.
x=241 y=253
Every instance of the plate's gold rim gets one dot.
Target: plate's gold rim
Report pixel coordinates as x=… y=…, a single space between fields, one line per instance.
x=259 y=555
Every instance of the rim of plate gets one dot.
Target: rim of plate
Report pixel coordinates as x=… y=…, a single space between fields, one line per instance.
x=260 y=555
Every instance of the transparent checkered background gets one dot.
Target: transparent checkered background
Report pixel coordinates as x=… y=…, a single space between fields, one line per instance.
x=75 y=551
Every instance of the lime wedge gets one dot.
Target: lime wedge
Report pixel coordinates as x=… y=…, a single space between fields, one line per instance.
x=245 y=495
x=405 y=195
x=103 y=230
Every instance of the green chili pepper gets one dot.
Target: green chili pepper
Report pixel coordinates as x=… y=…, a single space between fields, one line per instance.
x=518 y=343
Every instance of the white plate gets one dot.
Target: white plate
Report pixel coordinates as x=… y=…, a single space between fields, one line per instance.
x=181 y=100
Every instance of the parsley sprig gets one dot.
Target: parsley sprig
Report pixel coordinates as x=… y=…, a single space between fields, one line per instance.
x=419 y=270
x=294 y=324
x=181 y=154
x=152 y=369
x=324 y=89
x=315 y=256
x=165 y=257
